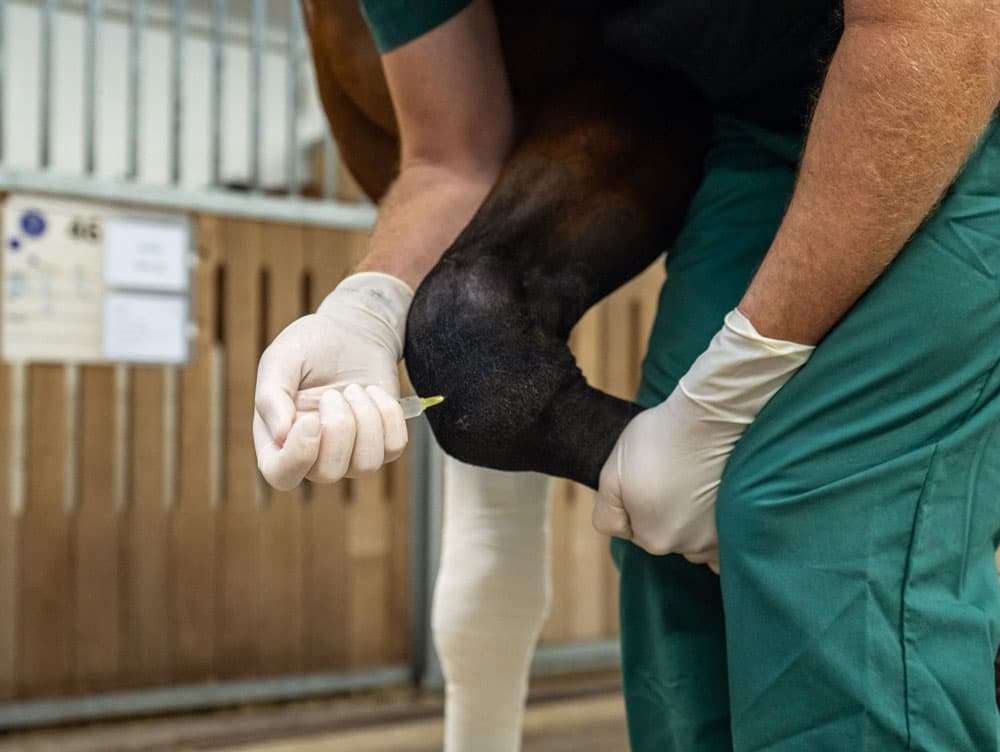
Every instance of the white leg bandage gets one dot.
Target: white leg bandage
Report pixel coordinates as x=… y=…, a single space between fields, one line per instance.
x=490 y=601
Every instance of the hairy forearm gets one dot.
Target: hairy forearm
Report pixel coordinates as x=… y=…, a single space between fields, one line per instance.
x=421 y=215
x=904 y=103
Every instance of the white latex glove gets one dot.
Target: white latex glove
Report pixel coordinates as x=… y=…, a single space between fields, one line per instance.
x=327 y=387
x=659 y=485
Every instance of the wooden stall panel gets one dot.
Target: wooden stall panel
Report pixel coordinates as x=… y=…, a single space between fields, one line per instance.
x=609 y=343
x=588 y=550
x=239 y=595
x=398 y=489
x=327 y=583
x=369 y=545
x=149 y=551
x=98 y=627
x=46 y=551
x=145 y=584
x=280 y=518
x=8 y=547
x=193 y=524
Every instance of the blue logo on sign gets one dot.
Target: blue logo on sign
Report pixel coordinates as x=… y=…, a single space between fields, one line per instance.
x=33 y=223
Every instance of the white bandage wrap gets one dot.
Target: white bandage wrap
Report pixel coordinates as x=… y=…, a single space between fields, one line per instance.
x=490 y=602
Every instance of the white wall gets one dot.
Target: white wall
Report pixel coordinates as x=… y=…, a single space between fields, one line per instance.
x=20 y=108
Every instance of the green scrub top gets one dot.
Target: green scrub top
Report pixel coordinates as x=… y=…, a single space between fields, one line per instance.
x=761 y=60
x=393 y=23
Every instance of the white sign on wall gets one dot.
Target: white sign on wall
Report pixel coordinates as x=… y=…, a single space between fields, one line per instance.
x=88 y=283
x=146 y=255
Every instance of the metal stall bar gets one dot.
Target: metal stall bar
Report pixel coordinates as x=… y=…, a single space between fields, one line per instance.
x=134 y=78
x=176 y=90
x=338 y=214
x=34 y=713
x=257 y=22
x=91 y=58
x=293 y=104
x=48 y=9
x=218 y=80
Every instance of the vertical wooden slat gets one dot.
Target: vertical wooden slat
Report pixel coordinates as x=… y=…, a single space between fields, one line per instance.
x=399 y=494
x=609 y=344
x=98 y=626
x=324 y=517
x=46 y=596
x=621 y=371
x=588 y=549
x=239 y=596
x=557 y=627
x=369 y=542
x=281 y=557
x=647 y=296
x=369 y=530
x=8 y=551
x=193 y=528
x=146 y=648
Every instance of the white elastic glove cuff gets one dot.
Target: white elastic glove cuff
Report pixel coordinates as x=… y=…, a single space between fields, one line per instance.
x=741 y=370
x=660 y=483
x=382 y=298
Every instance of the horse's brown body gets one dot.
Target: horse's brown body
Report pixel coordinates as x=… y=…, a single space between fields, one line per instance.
x=604 y=165
x=544 y=50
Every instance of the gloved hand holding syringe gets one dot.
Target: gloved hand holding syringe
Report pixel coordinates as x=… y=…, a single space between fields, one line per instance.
x=327 y=400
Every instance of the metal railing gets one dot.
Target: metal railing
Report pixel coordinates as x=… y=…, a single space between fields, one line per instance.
x=262 y=33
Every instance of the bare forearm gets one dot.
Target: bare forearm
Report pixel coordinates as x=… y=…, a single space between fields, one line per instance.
x=422 y=214
x=904 y=103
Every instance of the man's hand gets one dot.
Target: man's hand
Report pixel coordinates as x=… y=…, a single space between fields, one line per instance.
x=327 y=387
x=659 y=485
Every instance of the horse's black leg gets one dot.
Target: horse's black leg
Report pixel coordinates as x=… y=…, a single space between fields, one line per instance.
x=594 y=192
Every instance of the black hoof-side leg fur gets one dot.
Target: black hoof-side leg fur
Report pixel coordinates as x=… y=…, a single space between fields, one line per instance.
x=595 y=190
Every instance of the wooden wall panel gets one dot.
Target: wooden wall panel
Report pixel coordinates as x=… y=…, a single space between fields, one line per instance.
x=146 y=649
x=588 y=550
x=9 y=538
x=621 y=379
x=398 y=498
x=193 y=524
x=99 y=623
x=609 y=343
x=190 y=569
x=46 y=567
x=280 y=520
x=327 y=585
x=368 y=549
x=238 y=563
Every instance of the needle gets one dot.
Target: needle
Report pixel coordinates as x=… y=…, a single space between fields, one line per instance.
x=414 y=405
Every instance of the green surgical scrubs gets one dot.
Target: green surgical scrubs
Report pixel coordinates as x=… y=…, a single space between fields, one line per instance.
x=393 y=23
x=858 y=517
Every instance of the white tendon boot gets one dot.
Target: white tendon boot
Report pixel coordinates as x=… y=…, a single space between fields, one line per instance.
x=490 y=601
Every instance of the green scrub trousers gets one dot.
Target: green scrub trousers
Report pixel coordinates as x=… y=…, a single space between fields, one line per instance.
x=858 y=608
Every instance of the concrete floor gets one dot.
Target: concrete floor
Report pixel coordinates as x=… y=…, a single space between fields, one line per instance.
x=567 y=726
x=583 y=714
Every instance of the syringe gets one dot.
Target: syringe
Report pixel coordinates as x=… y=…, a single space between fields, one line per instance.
x=414 y=405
